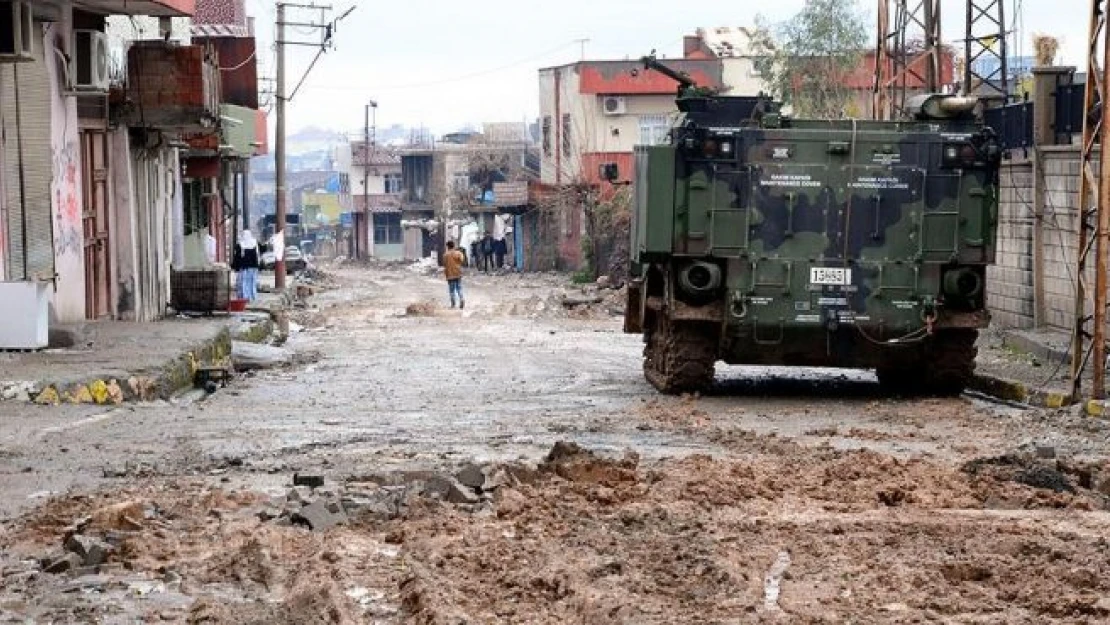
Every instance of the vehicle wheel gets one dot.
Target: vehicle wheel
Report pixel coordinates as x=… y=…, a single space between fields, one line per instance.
x=679 y=357
x=945 y=367
x=951 y=361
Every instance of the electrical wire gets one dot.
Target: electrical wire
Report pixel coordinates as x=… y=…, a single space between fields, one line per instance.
x=311 y=65
x=241 y=65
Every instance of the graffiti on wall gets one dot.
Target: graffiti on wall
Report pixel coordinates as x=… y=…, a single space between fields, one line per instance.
x=67 y=203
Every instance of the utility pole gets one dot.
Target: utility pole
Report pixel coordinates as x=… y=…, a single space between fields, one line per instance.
x=280 y=101
x=1088 y=348
x=279 y=152
x=986 y=27
x=367 y=215
x=582 y=44
x=897 y=63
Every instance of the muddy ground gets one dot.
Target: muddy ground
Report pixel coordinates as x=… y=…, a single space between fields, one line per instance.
x=508 y=464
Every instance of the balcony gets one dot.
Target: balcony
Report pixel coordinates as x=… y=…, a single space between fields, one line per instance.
x=171 y=87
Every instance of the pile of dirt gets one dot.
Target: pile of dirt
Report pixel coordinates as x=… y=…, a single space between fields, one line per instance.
x=421 y=309
x=778 y=531
x=807 y=537
x=206 y=553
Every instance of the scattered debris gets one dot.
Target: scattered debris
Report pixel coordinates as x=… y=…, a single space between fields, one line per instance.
x=313 y=480
x=251 y=356
x=450 y=490
x=320 y=515
x=421 y=309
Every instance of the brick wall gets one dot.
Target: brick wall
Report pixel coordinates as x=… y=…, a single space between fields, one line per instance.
x=1061 y=168
x=171 y=85
x=1011 y=288
x=1010 y=280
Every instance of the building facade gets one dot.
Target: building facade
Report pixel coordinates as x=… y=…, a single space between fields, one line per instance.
x=118 y=150
x=59 y=205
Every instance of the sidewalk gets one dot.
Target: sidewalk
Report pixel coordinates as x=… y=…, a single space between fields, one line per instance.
x=1026 y=366
x=114 y=362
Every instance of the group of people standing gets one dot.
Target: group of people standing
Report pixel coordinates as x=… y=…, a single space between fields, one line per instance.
x=488 y=253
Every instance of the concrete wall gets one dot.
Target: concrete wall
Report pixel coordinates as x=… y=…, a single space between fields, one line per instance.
x=3 y=204
x=143 y=191
x=740 y=77
x=1012 y=288
x=1061 y=170
x=65 y=189
x=1010 y=280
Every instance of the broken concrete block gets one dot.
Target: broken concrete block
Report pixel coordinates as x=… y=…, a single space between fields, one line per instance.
x=68 y=562
x=311 y=480
x=250 y=356
x=92 y=551
x=300 y=494
x=269 y=513
x=320 y=515
x=472 y=476
x=450 y=490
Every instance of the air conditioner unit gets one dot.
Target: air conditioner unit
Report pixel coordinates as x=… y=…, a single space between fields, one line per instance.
x=90 y=61
x=613 y=105
x=17 y=28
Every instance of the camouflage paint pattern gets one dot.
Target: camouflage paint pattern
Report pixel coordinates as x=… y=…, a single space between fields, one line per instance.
x=792 y=197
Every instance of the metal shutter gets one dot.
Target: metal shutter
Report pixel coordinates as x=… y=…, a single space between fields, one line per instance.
x=31 y=82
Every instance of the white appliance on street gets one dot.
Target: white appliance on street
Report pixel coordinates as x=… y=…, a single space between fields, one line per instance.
x=25 y=310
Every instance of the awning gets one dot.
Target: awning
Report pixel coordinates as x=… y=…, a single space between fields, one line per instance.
x=159 y=8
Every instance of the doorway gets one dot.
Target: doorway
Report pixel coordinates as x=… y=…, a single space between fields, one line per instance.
x=94 y=179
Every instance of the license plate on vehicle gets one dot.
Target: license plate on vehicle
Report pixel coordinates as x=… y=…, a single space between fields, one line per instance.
x=830 y=276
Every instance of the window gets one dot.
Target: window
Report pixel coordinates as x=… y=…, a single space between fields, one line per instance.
x=654 y=129
x=344 y=183
x=566 y=134
x=387 y=229
x=196 y=209
x=547 y=136
x=393 y=183
x=460 y=182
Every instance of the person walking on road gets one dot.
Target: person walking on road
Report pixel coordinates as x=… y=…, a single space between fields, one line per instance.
x=246 y=261
x=453 y=262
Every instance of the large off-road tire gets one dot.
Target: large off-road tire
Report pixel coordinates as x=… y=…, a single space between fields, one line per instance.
x=679 y=357
x=944 y=367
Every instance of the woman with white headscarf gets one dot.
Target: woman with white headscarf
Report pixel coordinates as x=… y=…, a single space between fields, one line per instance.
x=247 y=261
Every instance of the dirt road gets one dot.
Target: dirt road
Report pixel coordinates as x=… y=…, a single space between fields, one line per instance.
x=508 y=464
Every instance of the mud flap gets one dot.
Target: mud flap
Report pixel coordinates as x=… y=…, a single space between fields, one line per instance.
x=634 y=308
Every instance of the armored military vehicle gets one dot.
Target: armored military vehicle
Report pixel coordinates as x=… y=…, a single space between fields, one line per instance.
x=765 y=240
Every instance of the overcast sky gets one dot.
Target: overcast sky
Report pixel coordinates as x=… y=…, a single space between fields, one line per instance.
x=436 y=63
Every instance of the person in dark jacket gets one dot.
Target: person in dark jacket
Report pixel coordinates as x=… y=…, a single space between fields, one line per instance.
x=247 y=260
x=486 y=248
x=500 y=249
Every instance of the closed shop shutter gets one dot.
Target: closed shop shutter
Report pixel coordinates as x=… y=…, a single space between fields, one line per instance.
x=29 y=82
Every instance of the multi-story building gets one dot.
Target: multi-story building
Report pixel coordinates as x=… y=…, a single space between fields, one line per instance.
x=593 y=112
x=375 y=183
x=107 y=110
x=71 y=218
x=454 y=184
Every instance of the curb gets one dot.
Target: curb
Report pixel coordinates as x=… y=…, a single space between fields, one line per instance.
x=164 y=383
x=1012 y=390
x=173 y=376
